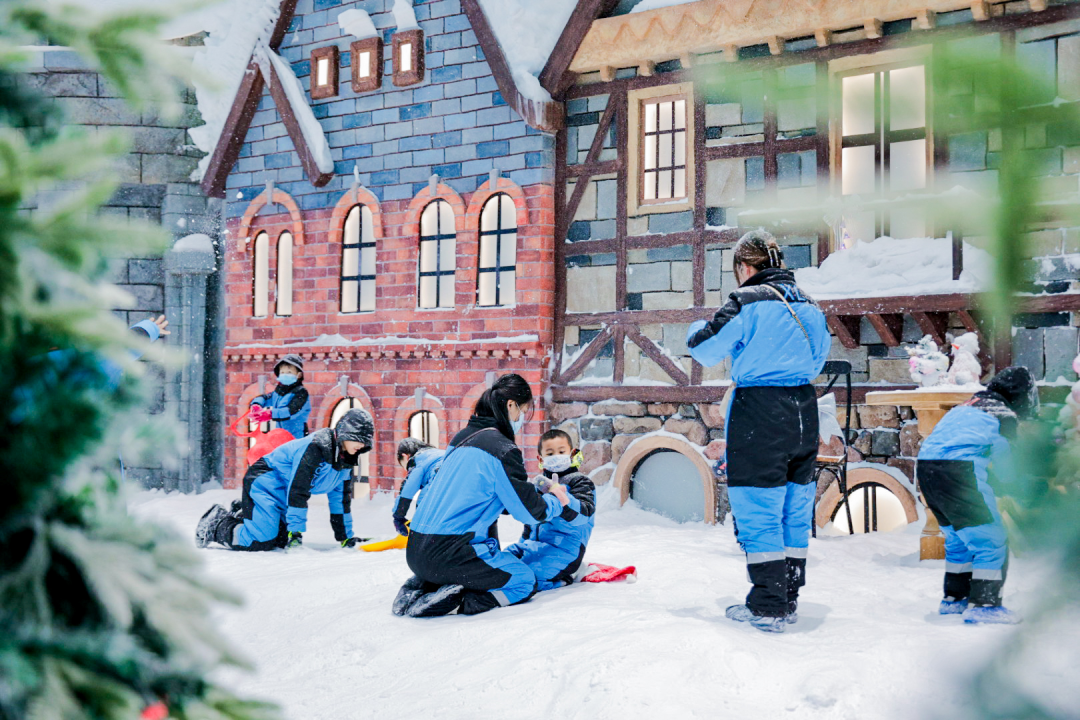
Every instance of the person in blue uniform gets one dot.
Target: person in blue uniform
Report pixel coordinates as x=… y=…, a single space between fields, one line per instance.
x=421 y=462
x=777 y=339
x=968 y=452
x=289 y=403
x=457 y=566
x=272 y=512
x=554 y=550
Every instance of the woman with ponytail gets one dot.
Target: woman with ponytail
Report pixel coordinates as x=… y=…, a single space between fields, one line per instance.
x=778 y=341
x=458 y=567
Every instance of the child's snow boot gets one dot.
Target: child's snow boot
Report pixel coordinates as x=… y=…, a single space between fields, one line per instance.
x=741 y=613
x=204 y=531
x=792 y=612
x=237 y=509
x=953 y=607
x=990 y=614
x=443 y=601
x=407 y=595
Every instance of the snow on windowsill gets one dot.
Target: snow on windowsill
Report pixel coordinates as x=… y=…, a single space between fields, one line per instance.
x=339 y=340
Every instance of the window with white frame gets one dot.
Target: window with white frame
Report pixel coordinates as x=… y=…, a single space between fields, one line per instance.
x=362 y=472
x=438 y=240
x=285 y=274
x=424 y=426
x=497 y=272
x=663 y=150
x=358 y=261
x=261 y=279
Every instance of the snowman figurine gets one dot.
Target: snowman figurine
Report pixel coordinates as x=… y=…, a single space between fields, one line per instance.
x=965 y=369
x=927 y=365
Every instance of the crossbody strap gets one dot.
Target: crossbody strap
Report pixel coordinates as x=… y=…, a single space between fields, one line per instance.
x=465 y=441
x=794 y=315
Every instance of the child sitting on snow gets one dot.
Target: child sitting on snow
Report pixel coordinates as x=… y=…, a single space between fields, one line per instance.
x=968 y=448
x=421 y=462
x=553 y=550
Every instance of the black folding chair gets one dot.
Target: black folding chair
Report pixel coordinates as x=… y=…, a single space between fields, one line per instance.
x=838 y=467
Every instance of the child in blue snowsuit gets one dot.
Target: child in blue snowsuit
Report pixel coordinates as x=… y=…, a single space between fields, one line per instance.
x=554 y=550
x=289 y=403
x=421 y=462
x=457 y=567
x=966 y=452
x=778 y=341
x=273 y=510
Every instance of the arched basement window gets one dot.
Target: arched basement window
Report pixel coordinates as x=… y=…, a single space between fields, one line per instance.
x=667 y=482
x=424 y=426
x=362 y=473
x=284 y=274
x=497 y=272
x=358 y=261
x=438 y=241
x=873 y=509
x=261 y=281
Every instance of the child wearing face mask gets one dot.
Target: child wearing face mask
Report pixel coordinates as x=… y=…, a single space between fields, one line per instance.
x=289 y=403
x=554 y=549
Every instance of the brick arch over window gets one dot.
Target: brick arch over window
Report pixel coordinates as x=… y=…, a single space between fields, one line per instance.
x=469 y=242
x=348 y=201
x=280 y=198
x=333 y=396
x=405 y=411
x=411 y=231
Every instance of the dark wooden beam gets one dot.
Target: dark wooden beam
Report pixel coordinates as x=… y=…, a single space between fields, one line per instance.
x=890 y=327
x=281 y=26
x=846 y=329
x=605 y=167
x=570 y=211
x=587 y=355
x=317 y=177
x=233 y=132
x=555 y=77
x=934 y=324
x=657 y=356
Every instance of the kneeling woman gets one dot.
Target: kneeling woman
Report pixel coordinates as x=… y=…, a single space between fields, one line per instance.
x=457 y=566
x=273 y=511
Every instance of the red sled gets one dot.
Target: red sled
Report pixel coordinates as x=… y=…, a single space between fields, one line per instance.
x=265 y=443
x=607 y=573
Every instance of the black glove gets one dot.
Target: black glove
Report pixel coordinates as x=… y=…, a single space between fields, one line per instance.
x=401 y=525
x=295 y=540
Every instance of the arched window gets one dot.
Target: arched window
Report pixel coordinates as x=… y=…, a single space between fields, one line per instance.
x=284 y=274
x=362 y=473
x=497 y=274
x=358 y=262
x=437 y=255
x=424 y=426
x=261 y=281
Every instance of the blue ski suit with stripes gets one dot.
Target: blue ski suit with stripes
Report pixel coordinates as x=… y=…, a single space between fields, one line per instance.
x=289 y=406
x=772 y=426
x=482 y=474
x=554 y=550
x=967 y=450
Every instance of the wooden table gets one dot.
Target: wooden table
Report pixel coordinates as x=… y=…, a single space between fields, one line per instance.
x=930 y=406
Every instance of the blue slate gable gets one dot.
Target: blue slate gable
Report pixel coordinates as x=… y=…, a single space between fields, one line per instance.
x=454 y=123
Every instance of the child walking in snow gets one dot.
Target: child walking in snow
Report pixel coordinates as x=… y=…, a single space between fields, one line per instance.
x=289 y=403
x=421 y=461
x=273 y=510
x=554 y=549
x=966 y=452
x=778 y=342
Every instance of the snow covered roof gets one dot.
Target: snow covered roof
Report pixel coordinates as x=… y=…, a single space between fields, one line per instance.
x=527 y=32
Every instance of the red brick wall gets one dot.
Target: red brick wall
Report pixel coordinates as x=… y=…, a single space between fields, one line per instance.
x=386 y=376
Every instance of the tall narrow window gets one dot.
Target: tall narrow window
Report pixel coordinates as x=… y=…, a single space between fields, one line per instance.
x=324 y=72
x=663 y=150
x=408 y=51
x=437 y=255
x=424 y=426
x=358 y=262
x=496 y=277
x=366 y=58
x=362 y=472
x=261 y=281
x=883 y=138
x=284 y=274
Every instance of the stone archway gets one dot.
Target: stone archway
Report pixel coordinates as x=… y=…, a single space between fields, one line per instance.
x=640 y=449
x=858 y=476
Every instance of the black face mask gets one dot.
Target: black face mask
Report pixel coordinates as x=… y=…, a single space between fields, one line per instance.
x=349 y=460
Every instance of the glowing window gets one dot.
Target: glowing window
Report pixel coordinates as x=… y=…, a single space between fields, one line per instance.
x=408 y=55
x=438 y=241
x=663 y=150
x=358 y=262
x=285 y=274
x=324 y=72
x=497 y=273
x=261 y=281
x=424 y=426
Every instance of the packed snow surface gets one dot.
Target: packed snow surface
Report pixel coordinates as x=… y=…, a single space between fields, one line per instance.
x=527 y=32
x=888 y=266
x=868 y=644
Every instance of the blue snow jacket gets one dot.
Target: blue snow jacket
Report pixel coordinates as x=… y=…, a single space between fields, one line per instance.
x=424 y=466
x=289 y=406
x=482 y=474
x=554 y=549
x=755 y=328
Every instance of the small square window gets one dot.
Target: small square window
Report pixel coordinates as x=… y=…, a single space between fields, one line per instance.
x=408 y=47
x=367 y=64
x=324 y=72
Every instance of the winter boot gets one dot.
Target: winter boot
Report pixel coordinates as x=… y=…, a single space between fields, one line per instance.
x=443 y=601
x=204 y=531
x=792 y=612
x=990 y=614
x=407 y=595
x=741 y=613
x=237 y=509
x=952 y=607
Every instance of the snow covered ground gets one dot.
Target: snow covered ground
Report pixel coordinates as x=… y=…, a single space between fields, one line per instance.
x=868 y=645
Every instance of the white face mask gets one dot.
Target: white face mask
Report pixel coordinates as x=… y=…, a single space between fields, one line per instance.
x=518 y=424
x=557 y=463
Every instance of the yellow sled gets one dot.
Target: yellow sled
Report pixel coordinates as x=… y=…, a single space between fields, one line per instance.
x=398 y=542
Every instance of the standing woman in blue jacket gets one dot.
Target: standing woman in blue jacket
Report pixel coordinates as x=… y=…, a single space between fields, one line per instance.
x=458 y=567
x=778 y=340
x=289 y=403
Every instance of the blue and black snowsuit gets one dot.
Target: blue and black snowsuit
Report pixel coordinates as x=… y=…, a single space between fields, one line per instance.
x=482 y=474
x=772 y=426
x=278 y=485
x=289 y=406
x=966 y=452
x=554 y=549
x=422 y=468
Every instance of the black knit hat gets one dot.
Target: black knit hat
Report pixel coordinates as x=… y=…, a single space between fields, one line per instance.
x=291 y=359
x=1017 y=388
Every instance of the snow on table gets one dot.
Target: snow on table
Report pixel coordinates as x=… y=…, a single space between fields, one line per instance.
x=868 y=644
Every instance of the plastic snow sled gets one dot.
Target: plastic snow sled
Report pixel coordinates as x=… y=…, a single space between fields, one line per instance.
x=397 y=542
x=266 y=442
x=607 y=573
